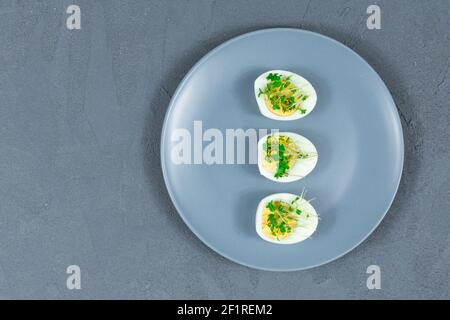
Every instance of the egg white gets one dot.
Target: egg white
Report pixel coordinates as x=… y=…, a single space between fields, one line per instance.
x=302 y=167
x=306 y=225
x=304 y=85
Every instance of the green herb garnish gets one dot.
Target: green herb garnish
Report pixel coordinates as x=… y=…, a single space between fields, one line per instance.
x=282 y=217
x=282 y=94
x=271 y=206
x=284 y=152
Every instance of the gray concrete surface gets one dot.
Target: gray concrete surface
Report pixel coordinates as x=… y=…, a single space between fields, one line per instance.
x=80 y=119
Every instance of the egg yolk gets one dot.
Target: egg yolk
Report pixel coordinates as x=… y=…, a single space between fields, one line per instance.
x=278 y=224
x=276 y=157
x=278 y=111
x=281 y=96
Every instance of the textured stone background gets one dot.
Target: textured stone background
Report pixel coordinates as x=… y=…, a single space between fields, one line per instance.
x=80 y=120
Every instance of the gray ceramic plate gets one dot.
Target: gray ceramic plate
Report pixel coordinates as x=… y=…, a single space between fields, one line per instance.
x=355 y=128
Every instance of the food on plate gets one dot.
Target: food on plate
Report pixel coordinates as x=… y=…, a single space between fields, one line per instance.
x=285 y=218
x=284 y=95
x=286 y=156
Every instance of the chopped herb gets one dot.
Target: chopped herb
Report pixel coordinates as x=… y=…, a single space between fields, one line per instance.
x=283 y=227
x=273 y=77
x=271 y=206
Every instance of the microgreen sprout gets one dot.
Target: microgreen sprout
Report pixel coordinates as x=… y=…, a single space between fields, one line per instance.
x=284 y=151
x=282 y=94
x=283 y=216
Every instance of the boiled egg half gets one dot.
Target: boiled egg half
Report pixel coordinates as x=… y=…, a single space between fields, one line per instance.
x=286 y=156
x=285 y=218
x=284 y=95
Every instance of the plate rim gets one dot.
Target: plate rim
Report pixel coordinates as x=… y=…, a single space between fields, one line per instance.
x=182 y=84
